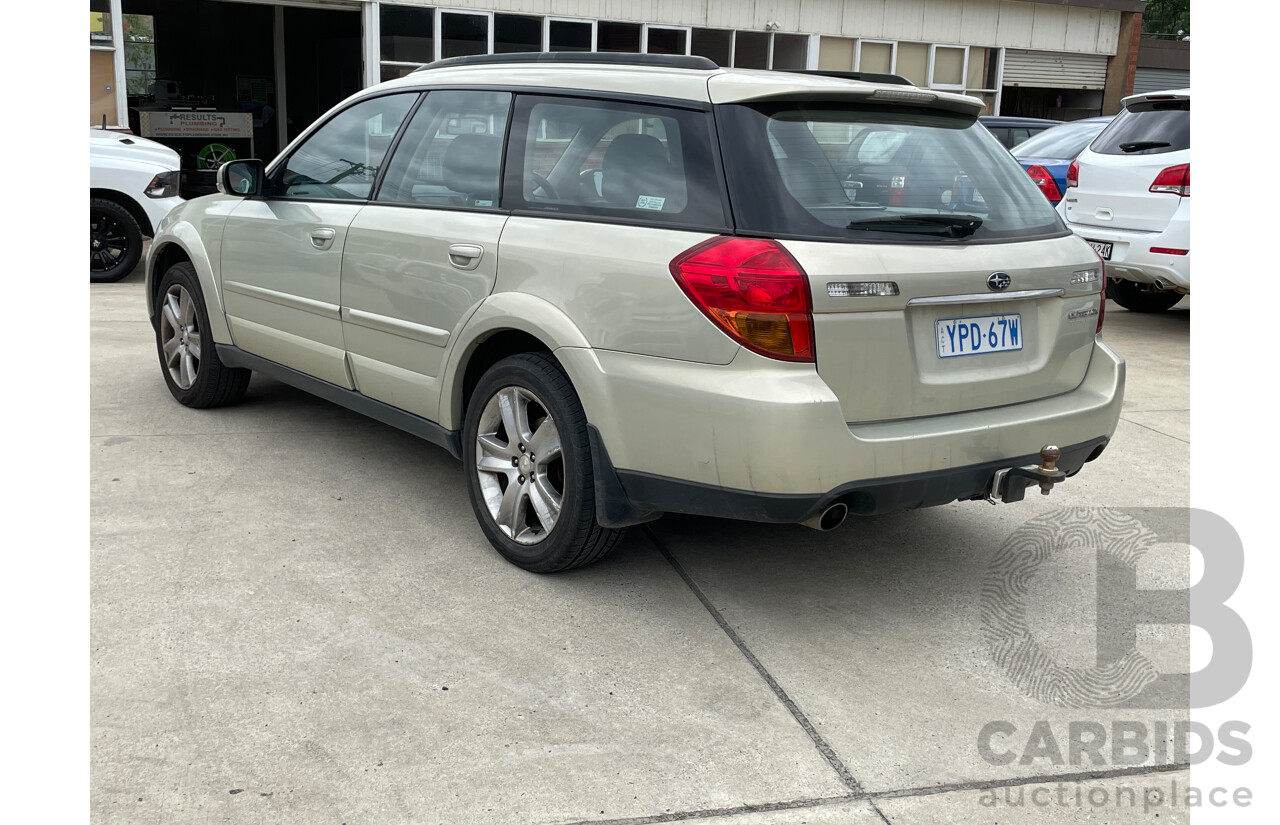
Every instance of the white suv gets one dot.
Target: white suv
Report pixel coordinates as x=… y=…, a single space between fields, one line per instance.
x=1129 y=195
x=621 y=285
x=133 y=183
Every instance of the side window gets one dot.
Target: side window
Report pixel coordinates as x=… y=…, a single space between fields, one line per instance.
x=609 y=159
x=451 y=153
x=341 y=159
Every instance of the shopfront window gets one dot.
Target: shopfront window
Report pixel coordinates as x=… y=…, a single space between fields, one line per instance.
x=407 y=33
x=516 y=33
x=618 y=37
x=463 y=34
x=99 y=22
x=570 y=35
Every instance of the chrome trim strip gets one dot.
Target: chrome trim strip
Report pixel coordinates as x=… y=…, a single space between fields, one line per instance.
x=321 y=308
x=987 y=297
x=394 y=326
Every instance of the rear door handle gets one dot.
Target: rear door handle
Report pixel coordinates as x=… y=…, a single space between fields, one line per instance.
x=322 y=238
x=465 y=255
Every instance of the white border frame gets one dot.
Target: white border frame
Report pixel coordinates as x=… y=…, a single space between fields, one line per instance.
x=371 y=47
x=644 y=35
x=548 y=19
x=893 y=53
x=964 y=67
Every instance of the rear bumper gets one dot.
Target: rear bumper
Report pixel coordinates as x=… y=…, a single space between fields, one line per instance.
x=1131 y=255
x=650 y=494
x=765 y=441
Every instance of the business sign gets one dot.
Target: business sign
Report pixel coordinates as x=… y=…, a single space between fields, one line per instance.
x=196 y=124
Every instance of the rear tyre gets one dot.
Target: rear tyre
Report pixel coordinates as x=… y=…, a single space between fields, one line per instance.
x=188 y=356
x=528 y=467
x=115 y=241
x=1137 y=297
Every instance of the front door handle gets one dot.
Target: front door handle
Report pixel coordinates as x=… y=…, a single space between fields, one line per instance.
x=465 y=255
x=322 y=238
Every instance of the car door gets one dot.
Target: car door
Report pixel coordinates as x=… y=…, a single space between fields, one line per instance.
x=281 y=257
x=423 y=254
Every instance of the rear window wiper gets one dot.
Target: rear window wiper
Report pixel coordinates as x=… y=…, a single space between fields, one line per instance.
x=955 y=226
x=1139 y=145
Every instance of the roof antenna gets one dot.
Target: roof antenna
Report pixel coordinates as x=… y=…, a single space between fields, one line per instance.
x=104 y=121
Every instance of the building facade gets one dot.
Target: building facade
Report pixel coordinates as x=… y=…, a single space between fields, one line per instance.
x=270 y=67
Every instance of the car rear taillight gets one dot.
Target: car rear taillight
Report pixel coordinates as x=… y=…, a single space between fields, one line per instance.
x=1073 y=174
x=1175 y=180
x=1045 y=181
x=754 y=290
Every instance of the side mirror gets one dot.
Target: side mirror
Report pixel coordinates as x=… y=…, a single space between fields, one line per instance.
x=241 y=177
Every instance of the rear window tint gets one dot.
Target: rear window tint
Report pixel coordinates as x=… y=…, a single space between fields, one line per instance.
x=613 y=160
x=856 y=172
x=1163 y=126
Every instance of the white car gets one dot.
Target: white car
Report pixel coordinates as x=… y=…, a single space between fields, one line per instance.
x=1129 y=195
x=133 y=183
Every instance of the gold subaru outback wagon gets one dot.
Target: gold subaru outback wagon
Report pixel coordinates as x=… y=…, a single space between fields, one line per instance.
x=617 y=286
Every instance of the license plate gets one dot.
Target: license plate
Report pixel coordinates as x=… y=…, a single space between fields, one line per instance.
x=978 y=336
x=1101 y=247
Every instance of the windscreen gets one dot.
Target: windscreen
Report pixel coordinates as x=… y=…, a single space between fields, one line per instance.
x=1065 y=141
x=860 y=172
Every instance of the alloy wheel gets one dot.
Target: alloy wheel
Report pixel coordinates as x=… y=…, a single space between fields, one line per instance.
x=180 y=336
x=520 y=465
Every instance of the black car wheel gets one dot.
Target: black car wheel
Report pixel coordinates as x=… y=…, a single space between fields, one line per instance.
x=115 y=241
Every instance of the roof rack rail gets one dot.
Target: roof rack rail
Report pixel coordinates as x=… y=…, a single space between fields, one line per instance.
x=669 y=61
x=867 y=77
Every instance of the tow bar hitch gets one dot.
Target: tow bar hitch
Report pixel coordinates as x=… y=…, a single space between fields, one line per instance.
x=1011 y=484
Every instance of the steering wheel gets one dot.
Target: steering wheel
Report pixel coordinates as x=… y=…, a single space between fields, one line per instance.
x=545 y=186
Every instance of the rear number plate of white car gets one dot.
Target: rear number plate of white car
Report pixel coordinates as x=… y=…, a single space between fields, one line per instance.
x=978 y=336
x=1101 y=247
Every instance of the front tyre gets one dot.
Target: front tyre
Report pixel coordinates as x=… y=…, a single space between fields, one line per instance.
x=115 y=241
x=1137 y=297
x=188 y=356
x=528 y=467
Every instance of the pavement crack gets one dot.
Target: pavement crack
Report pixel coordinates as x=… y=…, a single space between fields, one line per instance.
x=828 y=753
x=1154 y=430
x=737 y=810
x=1040 y=779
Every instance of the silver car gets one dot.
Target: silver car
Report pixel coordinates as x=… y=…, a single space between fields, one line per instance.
x=617 y=286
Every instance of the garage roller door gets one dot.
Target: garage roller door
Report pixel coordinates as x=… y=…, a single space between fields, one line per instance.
x=1157 y=80
x=1054 y=70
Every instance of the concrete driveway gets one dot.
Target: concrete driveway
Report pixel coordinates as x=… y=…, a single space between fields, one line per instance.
x=296 y=619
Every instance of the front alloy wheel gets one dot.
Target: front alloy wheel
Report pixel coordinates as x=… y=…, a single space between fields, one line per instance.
x=519 y=465
x=180 y=336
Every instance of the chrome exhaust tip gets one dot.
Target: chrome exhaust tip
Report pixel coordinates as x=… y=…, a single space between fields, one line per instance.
x=828 y=519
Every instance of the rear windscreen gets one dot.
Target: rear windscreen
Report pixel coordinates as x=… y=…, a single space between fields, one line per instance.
x=857 y=172
x=1155 y=128
x=1065 y=141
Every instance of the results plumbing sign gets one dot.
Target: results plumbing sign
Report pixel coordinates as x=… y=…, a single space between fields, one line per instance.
x=206 y=140
x=197 y=124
